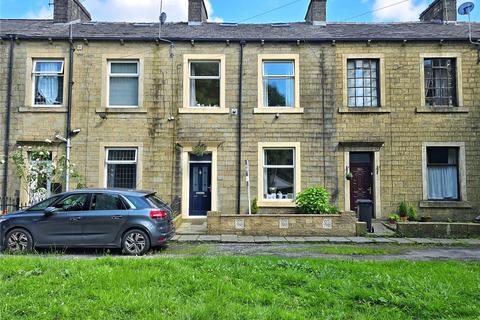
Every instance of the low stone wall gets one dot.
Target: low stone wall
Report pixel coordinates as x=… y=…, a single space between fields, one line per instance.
x=282 y=224
x=438 y=229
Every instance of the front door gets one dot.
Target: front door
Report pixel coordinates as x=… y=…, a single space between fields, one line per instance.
x=200 y=188
x=361 y=184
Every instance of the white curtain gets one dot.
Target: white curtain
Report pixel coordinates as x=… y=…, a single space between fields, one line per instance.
x=193 y=88
x=290 y=92
x=442 y=183
x=48 y=85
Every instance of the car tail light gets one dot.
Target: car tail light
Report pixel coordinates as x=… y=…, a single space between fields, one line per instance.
x=158 y=214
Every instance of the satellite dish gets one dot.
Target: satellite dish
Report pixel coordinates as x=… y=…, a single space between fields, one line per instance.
x=163 y=18
x=466 y=8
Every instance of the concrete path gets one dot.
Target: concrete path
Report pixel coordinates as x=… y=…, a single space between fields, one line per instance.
x=193 y=227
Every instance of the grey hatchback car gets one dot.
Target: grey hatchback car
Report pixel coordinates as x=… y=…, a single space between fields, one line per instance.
x=134 y=221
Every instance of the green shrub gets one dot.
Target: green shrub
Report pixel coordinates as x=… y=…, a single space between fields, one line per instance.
x=394 y=217
x=412 y=213
x=315 y=200
x=254 y=208
x=403 y=209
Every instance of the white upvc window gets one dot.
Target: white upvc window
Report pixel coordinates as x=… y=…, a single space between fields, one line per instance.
x=121 y=168
x=48 y=82
x=279 y=84
x=205 y=80
x=123 y=83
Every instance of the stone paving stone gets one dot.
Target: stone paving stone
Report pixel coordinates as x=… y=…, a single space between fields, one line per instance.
x=208 y=238
x=447 y=241
x=277 y=239
x=382 y=240
x=261 y=239
x=176 y=237
x=295 y=239
x=423 y=240
x=229 y=238
x=338 y=240
x=470 y=241
x=316 y=239
x=360 y=240
x=246 y=239
x=188 y=238
x=402 y=241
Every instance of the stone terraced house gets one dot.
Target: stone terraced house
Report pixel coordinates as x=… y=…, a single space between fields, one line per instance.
x=380 y=111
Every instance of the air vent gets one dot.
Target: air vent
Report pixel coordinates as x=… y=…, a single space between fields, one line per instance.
x=280 y=25
x=228 y=24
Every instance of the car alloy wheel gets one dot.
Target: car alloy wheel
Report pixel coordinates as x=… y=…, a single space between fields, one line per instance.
x=18 y=241
x=136 y=242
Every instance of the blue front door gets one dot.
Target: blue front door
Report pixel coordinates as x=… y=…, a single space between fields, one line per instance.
x=200 y=188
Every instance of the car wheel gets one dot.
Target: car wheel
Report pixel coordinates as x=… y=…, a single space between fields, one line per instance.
x=135 y=243
x=18 y=241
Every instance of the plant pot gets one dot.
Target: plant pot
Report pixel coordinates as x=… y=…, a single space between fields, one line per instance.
x=392 y=221
x=404 y=219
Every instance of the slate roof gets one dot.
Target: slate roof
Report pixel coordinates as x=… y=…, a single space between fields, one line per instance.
x=413 y=31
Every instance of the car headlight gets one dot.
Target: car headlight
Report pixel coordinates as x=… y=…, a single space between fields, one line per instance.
x=2 y=219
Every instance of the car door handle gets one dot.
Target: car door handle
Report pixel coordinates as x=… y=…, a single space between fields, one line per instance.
x=117 y=217
x=75 y=218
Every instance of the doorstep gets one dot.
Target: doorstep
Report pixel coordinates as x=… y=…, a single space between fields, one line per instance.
x=332 y=240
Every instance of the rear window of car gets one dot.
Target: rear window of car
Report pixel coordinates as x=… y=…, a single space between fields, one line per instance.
x=155 y=201
x=138 y=202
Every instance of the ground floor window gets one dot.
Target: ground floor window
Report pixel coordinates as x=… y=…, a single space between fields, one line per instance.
x=121 y=168
x=443 y=173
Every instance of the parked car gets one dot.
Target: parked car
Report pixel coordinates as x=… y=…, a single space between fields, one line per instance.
x=98 y=218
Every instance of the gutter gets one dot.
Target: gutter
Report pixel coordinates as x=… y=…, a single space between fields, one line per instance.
x=6 y=144
x=239 y=129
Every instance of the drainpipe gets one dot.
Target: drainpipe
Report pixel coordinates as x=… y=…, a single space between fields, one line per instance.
x=68 y=134
x=7 y=120
x=239 y=132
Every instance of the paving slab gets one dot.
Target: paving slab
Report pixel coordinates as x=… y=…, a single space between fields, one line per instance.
x=423 y=240
x=261 y=239
x=339 y=240
x=447 y=241
x=246 y=239
x=176 y=237
x=277 y=239
x=402 y=240
x=359 y=240
x=316 y=239
x=229 y=238
x=382 y=240
x=188 y=238
x=295 y=239
x=208 y=238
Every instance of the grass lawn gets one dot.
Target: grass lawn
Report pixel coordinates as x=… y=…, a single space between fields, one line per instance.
x=236 y=288
x=354 y=250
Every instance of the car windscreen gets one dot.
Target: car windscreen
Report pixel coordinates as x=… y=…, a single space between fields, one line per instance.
x=44 y=204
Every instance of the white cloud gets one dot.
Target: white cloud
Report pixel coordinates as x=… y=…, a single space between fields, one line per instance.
x=142 y=10
x=45 y=12
x=395 y=10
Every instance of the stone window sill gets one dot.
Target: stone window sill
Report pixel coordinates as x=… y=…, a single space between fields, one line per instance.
x=277 y=203
x=122 y=110
x=425 y=109
x=43 y=109
x=363 y=110
x=277 y=110
x=445 y=204
x=212 y=110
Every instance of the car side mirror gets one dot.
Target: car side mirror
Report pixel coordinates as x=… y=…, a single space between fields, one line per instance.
x=49 y=211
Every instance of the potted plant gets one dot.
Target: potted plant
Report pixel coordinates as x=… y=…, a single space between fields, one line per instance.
x=403 y=211
x=254 y=208
x=348 y=176
x=200 y=149
x=412 y=213
x=393 y=218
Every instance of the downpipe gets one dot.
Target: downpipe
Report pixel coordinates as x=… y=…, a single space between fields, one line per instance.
x=239 y=129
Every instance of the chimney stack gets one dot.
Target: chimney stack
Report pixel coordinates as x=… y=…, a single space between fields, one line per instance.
x=317 y=12
x=440 y=10
x=69 y=10
x=197 y=12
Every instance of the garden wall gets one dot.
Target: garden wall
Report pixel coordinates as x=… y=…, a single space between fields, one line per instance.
x=438 y=229
x=282 y=224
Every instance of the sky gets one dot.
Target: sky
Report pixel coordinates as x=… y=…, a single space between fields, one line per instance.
x=246 y=11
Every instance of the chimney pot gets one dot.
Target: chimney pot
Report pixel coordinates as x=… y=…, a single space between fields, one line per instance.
x=317 y=12
x=197 y=12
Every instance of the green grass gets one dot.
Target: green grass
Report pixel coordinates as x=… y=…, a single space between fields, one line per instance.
x=352 y=250
x=236 y=288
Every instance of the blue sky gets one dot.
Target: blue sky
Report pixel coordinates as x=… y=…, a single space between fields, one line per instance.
x=233 y=10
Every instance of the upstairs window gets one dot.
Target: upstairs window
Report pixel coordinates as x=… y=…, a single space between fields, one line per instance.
x=440 y=82
x=48 y=82
x=443 y=174
x=205 y=84
x=123 y=84
x=121 y=168
x=279 y=84
x=363 y=83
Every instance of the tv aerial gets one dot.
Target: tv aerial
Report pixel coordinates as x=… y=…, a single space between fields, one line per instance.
x=464 y=10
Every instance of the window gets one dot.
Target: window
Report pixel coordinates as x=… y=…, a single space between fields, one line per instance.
x=44 y=204
x=443 y=173
x=279 y=84
x=205 y=84
x=279 y=174
x=74 y=202
x=121 y=168
x=363 y=83
x=440 y=81
x=123 y=84
x=105 y=201
x=48 y=82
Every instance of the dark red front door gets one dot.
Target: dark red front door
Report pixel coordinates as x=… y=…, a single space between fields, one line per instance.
x=361 y=184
